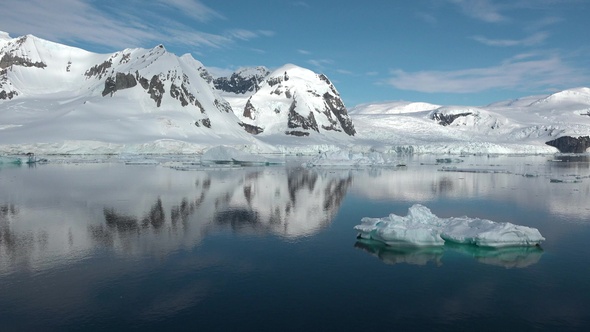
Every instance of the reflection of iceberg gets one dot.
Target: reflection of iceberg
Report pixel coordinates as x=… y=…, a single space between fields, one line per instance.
x=508 y=257
x=225 y=154
x=422 y=228
x=405 y=254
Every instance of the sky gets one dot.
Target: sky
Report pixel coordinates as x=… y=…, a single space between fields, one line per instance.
x=451 y=52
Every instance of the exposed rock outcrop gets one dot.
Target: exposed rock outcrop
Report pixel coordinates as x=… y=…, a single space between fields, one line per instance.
x=447 y=119
x=9 y=60
x=297 y=120
x=242 y=81
x=568 y=144
x=120 y=82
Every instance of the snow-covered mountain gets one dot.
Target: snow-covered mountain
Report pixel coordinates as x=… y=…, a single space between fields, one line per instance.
x=60 y=99
x=56 y=98
x=61 y=96
x=524 y=125
x=294 y=101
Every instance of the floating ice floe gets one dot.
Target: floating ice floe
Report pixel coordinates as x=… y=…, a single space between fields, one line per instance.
x=228 y=155
x=422 y=228
x=474 y=170
x=348 y=158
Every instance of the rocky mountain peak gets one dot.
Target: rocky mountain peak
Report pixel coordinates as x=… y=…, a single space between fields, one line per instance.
x=242 y=81
x=296 y=101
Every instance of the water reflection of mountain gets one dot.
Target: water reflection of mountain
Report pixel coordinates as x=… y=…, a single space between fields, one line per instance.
x=298 y=203
x=511 y=257
x=290 y=202
x=138 y=210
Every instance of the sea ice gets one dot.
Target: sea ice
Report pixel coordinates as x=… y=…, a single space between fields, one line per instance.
x=225 y=154
x=422 y=228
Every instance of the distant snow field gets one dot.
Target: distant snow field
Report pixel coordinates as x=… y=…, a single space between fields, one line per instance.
x=56 y=99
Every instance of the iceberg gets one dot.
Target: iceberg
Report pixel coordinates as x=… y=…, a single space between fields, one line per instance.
x=422 y=228
x=10 y=160
x=228 y=155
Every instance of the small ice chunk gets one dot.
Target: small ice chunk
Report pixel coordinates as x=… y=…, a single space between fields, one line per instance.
x=422 y=228
x=225 y=154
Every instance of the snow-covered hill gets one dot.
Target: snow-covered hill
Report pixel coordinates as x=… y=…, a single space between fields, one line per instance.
x=516 y=126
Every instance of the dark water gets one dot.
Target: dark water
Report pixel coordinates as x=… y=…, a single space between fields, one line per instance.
x=113 y=247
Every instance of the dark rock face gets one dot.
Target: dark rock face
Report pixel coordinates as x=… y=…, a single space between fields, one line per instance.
x=99 y=70
x=296 y=120
x=8 y=95
x=120 y=82
x=254 y=130
x=240 y=84
x=447 y=119
x=336 y=107
x=182 y=94
x=145 y=84
x=206 y=123
x=249 y=109
x=156 y=90
x=9 y=60
x=568 y=144
x=297 y=133
x=109 y=87
x=223 y=106
x=124 y=81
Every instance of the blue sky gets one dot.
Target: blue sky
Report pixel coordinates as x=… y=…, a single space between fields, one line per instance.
x=469 y=52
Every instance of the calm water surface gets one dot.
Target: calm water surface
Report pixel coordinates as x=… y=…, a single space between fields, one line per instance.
x=109 y=246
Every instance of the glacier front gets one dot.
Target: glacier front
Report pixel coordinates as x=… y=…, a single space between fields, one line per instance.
x=422 y=228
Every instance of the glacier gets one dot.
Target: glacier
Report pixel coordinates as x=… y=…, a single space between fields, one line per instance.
x=422 y=228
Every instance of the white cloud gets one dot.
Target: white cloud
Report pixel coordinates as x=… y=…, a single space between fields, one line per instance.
x=534 y=39
x=484 y=10
x=301 y=4
x=320 y=63
x=344 y=72
x=194 y=9
x=242 y=34
x=304 y=52
x=426 y=17
x=122 y=24
x=522 y=72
